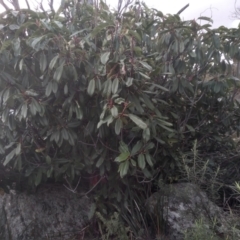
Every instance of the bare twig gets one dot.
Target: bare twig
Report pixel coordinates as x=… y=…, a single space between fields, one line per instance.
x=94 y=186
x=70 y=186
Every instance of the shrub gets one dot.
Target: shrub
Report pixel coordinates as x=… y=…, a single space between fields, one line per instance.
x=116 y=97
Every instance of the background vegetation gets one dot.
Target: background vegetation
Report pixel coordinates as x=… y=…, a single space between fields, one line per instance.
x=114 y=102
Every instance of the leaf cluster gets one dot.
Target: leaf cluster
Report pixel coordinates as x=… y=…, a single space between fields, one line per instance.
x=86 y=92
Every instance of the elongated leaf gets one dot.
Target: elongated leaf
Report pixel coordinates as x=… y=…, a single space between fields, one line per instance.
x=149 y=159
x=114 y=111
x=138 y=121
x=38 y=178
x=122 y=157
x=9 y=157
x=144 y=75
x=91 y=87
x=105 y=57
x=136 y=147
x=115 y=85
x=158 y=86
x=146 y=65
x=48 y=160
x=24 y=110
x=206 y=19
x=141 y=161
x=43 y=62
x=100 y=162
x=18 y=149
x=129 y=82
x=48 y=90
x=123 y=168
x=118 y=126
x=58 y=73
x=164 y=122
x=123 y=147
x=53 y=62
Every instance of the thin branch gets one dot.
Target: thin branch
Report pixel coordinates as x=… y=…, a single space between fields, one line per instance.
x=15 y=4
x=4 y=5
x=27 y=4
x=85 y=194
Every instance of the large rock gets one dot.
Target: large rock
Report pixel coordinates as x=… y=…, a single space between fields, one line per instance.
x=50 y=213
x=183 y=208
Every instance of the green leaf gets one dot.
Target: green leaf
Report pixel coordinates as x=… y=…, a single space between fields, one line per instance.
x=129 y=82
x=138 y=121
x=149 y=146
x=144 y=75
x=91 y=211
x=31 y=93
x=100 y=27
x=107 y=88
x=190 y=128
x=115 y=85
x=53 y=62
x=122 y=157
x=21 y=64
x=146 y=173
x=123 y=147
x=123 y=168
x=13 y=27
x=66 y=89
x=38 y=178
x=9 y=157
x=141 y=161
x=48 y=89
x=54 y=87
x=48 y=160
x=133 y=162
x=36 y=41
x=158 y=86
x=24 y=110
x=18 y=149
x=91 y=87
x=146 y=65
x=64 y=134
x=149 y=159
x=119 y=100
x=147 y=101
x=100 y=162
x=58 y=72
x=43 y=62
x=216 y=41
x=146 y=134
x=105 y=57
x=206 y=19
x=166 y=128
x=114 y=111
x=118 y=126
x=162 y=122
x=136 y=148
x=6 y=95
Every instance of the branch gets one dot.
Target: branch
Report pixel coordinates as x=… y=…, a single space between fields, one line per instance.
x=27 y=4
x=4 y=5
x=15 y=4
x=182 y=9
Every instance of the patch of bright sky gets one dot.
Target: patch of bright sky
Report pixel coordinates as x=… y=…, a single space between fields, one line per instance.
x=219 y=10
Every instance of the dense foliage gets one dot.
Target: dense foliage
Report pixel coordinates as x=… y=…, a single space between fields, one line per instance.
x=110 y=95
